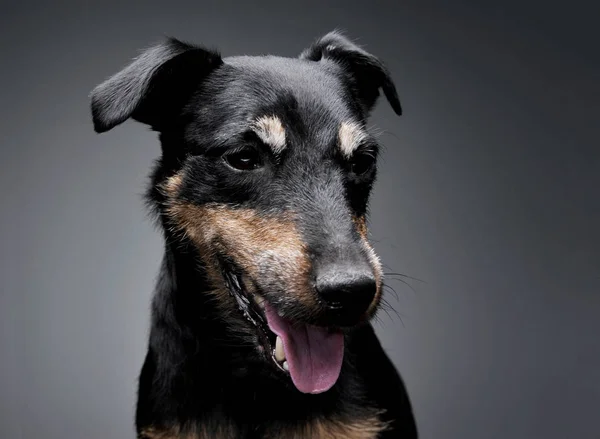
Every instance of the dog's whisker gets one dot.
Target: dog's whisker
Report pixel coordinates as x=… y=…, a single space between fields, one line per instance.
x=405 y=276
x=385 y=309
x=389 y=288
x=389 y=133
x=405 y=283
x=387 y=306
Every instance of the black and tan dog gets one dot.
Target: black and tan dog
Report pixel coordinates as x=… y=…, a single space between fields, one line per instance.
x=260 y=322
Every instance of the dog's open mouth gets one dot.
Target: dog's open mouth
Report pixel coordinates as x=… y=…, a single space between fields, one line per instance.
x=311 y=355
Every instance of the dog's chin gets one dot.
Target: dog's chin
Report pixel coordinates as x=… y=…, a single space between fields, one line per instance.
x=304 y=351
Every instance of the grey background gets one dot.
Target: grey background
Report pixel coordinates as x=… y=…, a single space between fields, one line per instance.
x=488 y=191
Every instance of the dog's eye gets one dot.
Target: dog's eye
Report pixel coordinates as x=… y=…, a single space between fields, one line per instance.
x=245 y=159
x=361 y=163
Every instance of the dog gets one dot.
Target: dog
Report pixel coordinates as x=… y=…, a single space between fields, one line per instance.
x=261 y=317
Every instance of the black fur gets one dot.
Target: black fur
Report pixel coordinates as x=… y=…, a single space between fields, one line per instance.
x=202 y=366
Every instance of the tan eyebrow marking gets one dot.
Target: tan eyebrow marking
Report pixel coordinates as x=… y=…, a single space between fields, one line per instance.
x=270 y=130
x=350 y=135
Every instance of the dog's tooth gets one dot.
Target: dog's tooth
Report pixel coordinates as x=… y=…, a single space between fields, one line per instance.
x=259 y=301
x=286 y=366
x=279 y=352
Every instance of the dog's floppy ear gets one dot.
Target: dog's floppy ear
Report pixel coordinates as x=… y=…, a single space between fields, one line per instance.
x=367 y=74
x=153 y=87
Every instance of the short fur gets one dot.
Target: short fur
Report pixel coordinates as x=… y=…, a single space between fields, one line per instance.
x=275 y=229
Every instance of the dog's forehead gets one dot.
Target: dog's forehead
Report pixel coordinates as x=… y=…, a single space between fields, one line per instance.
x=309 y=81
x=300 y=97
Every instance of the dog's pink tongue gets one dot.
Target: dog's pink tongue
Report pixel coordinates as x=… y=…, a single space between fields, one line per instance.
x=314 y=354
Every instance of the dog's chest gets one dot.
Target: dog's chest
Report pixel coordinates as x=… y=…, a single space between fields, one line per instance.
x=366 y=428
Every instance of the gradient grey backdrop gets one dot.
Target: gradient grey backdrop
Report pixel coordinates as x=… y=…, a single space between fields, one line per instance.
x=488 y=191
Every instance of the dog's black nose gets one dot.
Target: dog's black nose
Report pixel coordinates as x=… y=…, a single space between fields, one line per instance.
x=347 y=291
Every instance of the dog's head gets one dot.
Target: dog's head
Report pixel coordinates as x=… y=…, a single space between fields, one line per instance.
x=266 y=168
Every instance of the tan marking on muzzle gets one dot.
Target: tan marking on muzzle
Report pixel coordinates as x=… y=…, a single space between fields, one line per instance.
x=361 y=226
x=350 y=136
x=267 y=248
x=270 y=130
